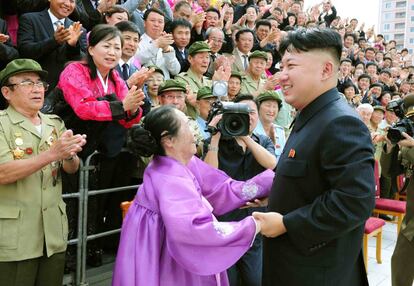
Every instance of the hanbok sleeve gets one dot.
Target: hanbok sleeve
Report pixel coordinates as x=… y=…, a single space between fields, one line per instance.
x=224 y=193
x=194 y=238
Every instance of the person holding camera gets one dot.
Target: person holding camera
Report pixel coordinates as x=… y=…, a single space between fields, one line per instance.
x=402 y=152
x=242 y=158
x=170 y=235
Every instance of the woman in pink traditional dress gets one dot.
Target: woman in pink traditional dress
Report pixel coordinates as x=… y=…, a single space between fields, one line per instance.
x=170 y=235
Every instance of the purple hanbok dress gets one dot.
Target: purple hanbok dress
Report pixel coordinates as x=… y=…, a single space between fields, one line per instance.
x=170 y=235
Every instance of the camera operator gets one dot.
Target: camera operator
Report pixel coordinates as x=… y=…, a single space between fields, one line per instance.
x=402 y=263
x=242 y=158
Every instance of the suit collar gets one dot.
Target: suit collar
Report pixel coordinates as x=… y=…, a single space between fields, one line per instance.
x=309 y=111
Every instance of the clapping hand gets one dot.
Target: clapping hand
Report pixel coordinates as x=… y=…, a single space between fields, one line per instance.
x=138 y=78
x=3 y=38
x=75 y=30
x=67 y=145
x=133 y=100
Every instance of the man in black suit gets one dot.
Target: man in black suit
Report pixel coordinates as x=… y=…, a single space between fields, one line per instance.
x=51 y=38
x=323 y=190
x=181 y=31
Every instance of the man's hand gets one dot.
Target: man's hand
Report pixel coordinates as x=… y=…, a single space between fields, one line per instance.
x=67 y=145
x=271 y=223
x=138 y=78
x=62 y=35
x=257 y=203
x=75 y=31
x=223 y=72
x=164 y=41
x=3 y=38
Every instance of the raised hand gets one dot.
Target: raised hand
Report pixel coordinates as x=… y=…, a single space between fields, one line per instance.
x=133 y=100
x=61 y=35
x=138 y=78
x=67 y=145
x=75 y=31
x=3 y=38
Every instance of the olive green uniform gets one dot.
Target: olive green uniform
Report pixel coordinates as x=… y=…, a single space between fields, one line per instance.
x=33 y=222
x=402 y=261
x=190 y=78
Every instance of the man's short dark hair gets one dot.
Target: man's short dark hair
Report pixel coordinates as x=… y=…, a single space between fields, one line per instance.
x=214 y=10
x=349 y=35
x=242 y=31
x=179 y=23
x=387 y=58
x=304 y=40
x=263 y=23
x=369 y=49
x=371 y=64
x=127 y=26
x=244 y=96
x=155 y=10
x=364 y=75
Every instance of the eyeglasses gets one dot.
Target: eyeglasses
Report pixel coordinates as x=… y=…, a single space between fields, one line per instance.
x=30 y=84
x=220 y=41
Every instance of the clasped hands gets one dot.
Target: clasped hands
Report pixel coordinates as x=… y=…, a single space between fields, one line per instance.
x=270 y=224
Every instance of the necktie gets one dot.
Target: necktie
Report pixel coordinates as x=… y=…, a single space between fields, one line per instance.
x=213 y=58
x=96 y=4
x=125 y=75
x=183 y=53
x=57 y=24
x=245 y=62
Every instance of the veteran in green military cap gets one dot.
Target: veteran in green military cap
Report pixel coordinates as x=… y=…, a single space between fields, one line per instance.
x=269 y=104
x=173 y=92
x=199 y=59
x=254 y=81
x=34 y=149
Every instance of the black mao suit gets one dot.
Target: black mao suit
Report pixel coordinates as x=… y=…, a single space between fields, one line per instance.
x=324 y=187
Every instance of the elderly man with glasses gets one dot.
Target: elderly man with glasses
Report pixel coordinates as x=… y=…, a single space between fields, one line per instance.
x=34 y=149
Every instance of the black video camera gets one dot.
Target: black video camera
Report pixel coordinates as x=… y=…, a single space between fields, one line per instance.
x=403 y=125
x=235 y=120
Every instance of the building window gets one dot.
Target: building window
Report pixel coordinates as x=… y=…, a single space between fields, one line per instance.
x=399 y=37
x=388 y=5
x=411 y=41
x=386 y=38
x=412 y=18
x=400 y=15
x=386 y=27
x=412 y=30
x=388 y=15
x=412 y=7
x=399 y=26
x=410 y=51
x=401 y=4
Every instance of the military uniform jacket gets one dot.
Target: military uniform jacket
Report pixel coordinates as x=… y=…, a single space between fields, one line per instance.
x=195 y=84
x=324 y=187
x=32 y=212
x=250 y=86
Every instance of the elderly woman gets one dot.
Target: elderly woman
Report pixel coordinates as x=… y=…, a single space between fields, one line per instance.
x=269 y=104
x=170 y=234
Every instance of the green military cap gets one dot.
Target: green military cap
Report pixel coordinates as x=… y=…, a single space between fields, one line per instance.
x=379 y=107
x=156 y=69
x=269 y=95
x=19 y=66
x=172 y=85
x=236 y=74
x=198 y=47
x=205 y=92
x=258 y=54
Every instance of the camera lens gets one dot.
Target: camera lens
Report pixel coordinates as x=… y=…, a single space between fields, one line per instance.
x=234 y=125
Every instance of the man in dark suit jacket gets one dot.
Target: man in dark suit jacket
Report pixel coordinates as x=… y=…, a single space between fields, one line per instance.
x=323 y=190
x=181 y=31
x=51 y=44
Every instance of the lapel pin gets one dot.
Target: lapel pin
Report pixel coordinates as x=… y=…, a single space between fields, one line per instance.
x=292 y=153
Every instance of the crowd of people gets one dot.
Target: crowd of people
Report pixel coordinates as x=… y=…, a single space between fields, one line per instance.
x=84 y=75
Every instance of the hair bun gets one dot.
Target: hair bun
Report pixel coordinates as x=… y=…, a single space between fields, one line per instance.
x=140 y=141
